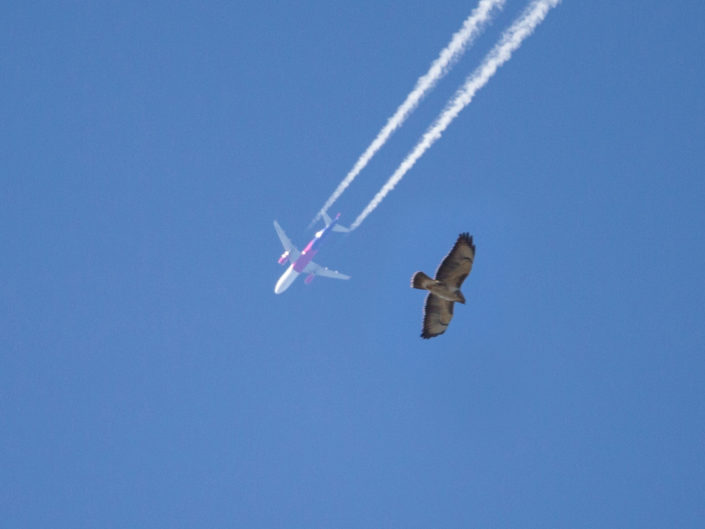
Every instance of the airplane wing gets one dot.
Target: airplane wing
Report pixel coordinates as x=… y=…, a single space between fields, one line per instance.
x=313 y=268
x=286 y=243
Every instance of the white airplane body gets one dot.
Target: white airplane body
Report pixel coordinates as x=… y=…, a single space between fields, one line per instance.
x=302 y=261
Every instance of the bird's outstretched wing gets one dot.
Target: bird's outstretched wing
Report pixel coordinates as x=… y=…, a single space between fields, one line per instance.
x=437 y=314
x=456 y=266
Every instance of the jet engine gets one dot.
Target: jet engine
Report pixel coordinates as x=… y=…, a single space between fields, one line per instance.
x=284 y=258
x=309 y=278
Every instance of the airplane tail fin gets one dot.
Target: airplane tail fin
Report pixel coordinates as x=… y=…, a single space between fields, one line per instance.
x=329 y=221
x=421 y=281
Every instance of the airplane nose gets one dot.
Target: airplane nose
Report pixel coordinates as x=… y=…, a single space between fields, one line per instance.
x=281 y=285
x=285 y=280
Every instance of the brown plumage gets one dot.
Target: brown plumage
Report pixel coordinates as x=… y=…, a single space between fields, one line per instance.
x=444 y=290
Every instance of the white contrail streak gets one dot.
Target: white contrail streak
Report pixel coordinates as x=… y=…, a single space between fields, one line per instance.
x=501 y=53
x=460 y=41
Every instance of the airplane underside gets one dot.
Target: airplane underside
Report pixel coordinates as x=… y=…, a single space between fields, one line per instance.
x=301 y=261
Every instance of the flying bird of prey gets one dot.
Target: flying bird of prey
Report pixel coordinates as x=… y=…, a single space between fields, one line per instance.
x=444 y=290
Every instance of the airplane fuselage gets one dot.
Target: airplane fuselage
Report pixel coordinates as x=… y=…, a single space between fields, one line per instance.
x=286 y=280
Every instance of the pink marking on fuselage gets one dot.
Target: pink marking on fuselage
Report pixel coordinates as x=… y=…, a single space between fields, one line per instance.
x=305 y=258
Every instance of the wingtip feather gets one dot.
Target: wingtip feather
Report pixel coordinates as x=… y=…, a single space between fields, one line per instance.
x=466 y=237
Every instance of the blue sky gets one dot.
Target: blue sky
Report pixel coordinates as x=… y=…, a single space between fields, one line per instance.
x=150 y=377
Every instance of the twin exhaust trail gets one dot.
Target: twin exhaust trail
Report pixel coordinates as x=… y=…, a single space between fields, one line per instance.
x=510 y=41
x=501 y=53
x=472 y=27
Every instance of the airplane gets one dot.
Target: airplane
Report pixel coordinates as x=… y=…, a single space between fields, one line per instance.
x=301 y=262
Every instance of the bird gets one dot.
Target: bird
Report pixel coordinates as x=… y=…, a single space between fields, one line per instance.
x=444 y=290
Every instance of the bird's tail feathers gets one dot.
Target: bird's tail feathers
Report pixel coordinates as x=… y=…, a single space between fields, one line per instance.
x=421 y=281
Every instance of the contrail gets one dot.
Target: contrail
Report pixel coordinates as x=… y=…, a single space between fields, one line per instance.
x=460 y=41
x=501 y=53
